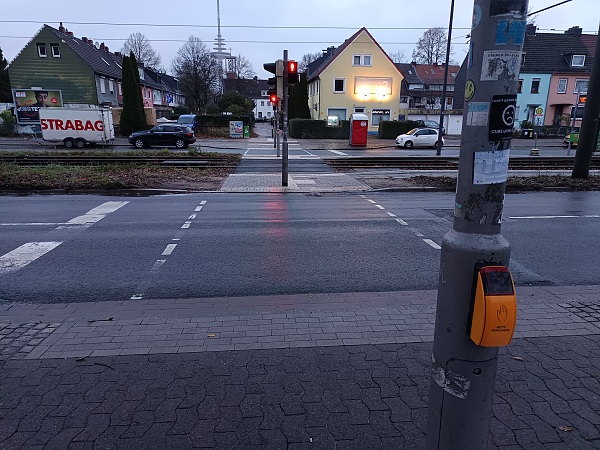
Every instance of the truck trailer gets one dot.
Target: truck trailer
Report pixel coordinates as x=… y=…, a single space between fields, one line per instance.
x=76 y=127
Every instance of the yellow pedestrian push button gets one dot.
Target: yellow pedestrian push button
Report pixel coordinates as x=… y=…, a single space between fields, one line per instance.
x=495 y=307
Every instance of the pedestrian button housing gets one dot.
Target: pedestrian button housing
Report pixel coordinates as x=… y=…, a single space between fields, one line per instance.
x=494 y=312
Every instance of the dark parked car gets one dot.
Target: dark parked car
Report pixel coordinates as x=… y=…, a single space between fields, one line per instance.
x=431 y=124
x=163 y=135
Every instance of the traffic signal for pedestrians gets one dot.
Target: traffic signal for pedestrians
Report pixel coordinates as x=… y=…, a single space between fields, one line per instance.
x=273 y=98
x=292 y=70
x=582 y=98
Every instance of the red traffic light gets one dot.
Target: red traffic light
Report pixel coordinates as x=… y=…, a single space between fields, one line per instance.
x=273 y=99
x=292 y=67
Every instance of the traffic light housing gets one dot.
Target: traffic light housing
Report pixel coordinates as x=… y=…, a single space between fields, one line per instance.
x=273 y=98
x=292 y=71
x=582 y=98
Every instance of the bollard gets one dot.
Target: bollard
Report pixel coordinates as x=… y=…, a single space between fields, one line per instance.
x=534 y=151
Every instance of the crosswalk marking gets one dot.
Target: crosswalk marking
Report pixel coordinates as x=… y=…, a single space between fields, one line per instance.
x=24 y=255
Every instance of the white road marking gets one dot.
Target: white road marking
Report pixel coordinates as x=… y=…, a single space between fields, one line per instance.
x=555 y=217
x=24 y=255
x=401 y=222
x=309 y=153
x=379 y=206
x=143 y=286
x=192 y=217
x=391 y=214
x=24 y=224
x=186 y=225
x=371 y=201
x=246 y=152
x=176 y=239
x=433 y=244
x=168 y=249
x=96 y=214
x=198 y=208
x=338 y=153
x=203 y=202
x=419 y=234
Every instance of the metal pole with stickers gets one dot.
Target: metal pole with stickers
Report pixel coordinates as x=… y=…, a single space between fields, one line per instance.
x=476 y=303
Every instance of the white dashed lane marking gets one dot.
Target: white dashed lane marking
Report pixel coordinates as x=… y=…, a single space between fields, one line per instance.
x=433 y=244
x=168 y=249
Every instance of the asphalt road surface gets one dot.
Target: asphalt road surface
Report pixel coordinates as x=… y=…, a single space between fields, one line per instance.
x=56 y=249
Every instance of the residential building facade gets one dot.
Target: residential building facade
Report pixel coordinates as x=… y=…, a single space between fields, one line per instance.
x=254 y=89
x=357 y=77
x=86 y=73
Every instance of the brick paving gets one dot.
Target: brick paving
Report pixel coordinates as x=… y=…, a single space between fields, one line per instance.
x=346 y=370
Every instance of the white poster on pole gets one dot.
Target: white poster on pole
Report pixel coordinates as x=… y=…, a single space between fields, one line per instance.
x=490 y=167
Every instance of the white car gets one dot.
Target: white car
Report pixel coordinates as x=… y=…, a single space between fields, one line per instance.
x=419 y=137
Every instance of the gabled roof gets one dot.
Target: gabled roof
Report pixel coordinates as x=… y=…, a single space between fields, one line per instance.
x=551 y=53
x=102 y=61
x=434 y=74
x=409 y=72
x=251 y=88
x=317 y=67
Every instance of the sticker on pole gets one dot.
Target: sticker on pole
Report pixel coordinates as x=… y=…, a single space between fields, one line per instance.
x=500 y=65
x=502 y=116
x=477 y=114
x=515 y=8
x=469 y=90
x=490 y=167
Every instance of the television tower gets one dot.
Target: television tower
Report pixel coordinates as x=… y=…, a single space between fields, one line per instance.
x=220 y=50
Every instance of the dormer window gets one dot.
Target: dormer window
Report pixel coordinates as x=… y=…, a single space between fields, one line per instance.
x=577 y=60
x=41 y=50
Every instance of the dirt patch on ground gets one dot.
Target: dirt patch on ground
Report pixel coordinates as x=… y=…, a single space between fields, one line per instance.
x=514 y=184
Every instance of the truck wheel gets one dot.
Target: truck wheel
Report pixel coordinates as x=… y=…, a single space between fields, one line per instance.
x=179 y=143
x=408 y=144
x=139 y=143
x=80 y=143
x=69 y=142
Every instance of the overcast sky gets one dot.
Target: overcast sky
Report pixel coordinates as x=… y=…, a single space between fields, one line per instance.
x=242 y=22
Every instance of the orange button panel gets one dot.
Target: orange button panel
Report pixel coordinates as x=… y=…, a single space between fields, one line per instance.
x=495 y=308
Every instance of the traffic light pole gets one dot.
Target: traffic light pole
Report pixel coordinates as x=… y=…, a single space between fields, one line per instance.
x=588 y=135
x=284 y=148
x=463 y=374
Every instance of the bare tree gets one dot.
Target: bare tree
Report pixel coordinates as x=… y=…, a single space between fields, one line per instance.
x=431 y=47
x=142 y=49
x=198 y=73
x=243 y=68
x=307 y=59
x=398 y=56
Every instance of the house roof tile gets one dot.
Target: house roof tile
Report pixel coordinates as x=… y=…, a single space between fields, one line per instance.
x=551 y=53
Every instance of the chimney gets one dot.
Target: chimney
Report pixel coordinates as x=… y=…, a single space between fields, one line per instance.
x=106 y=49
x=61 y=28
x=84 y=39
x=530 y=29
x=574 y=31
x=102 y=47
x=118 y=54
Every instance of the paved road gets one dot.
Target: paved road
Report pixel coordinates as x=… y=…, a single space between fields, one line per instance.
x=93 y=248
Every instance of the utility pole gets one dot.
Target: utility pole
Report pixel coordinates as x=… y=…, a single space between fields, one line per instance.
x=574 y=120
x=463 y=371
x=438 y=150
x=588 y=135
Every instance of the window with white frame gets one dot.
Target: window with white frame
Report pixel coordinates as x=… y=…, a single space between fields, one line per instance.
x=55 y=50
x=361 y=60
x=120 y=88
x=41 y=49
x=111 y=86
x=581 y=86
x=339 y=85
x=103 y=85
x=340 y=113
x=577 y=60
x=562 y=86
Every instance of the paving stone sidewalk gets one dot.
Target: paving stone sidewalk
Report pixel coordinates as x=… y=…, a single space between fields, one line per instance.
x=315 y=371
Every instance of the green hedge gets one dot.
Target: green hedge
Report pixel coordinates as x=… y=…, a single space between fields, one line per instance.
x=221 y=120
x=318 y=129
x=389 y=129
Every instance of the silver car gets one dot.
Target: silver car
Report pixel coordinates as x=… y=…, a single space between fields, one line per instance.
x=419 y=137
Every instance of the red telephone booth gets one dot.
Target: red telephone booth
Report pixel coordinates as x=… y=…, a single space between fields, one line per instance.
x=359 y=124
